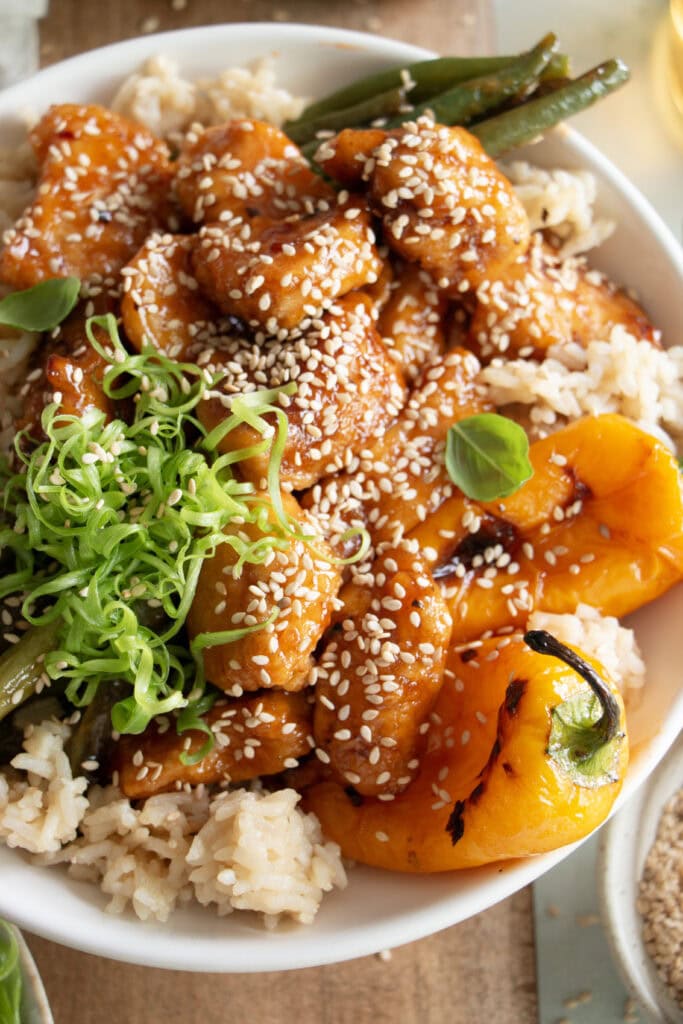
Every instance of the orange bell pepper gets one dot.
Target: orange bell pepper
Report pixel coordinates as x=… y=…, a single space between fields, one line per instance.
x=525 y=752
x=600 y=521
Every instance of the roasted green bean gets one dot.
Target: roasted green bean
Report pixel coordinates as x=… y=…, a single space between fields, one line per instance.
x=471 y=99
x=384 y=104
x=21 y=667
x=431 y=77
x=529 y=120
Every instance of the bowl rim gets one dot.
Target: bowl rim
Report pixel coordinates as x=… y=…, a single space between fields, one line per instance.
x=501 y=880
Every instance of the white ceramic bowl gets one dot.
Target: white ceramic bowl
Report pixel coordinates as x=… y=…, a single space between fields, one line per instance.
x=378 y=910
x=624 y=846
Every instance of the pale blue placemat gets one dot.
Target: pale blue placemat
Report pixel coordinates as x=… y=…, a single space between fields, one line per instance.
x=576 y=978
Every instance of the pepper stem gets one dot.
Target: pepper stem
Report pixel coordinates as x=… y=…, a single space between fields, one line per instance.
x=609 y=724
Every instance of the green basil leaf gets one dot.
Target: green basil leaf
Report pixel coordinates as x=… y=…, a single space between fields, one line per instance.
x=487 y=456
x=42 y=307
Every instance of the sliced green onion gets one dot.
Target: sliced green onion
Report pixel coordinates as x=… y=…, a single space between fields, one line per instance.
x=104 y=517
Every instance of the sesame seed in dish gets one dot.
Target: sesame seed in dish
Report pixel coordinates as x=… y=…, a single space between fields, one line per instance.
x=294 y=583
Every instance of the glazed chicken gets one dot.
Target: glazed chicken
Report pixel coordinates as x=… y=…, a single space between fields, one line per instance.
x=245 y=169
x=380 y=672
x=162 y=305
x=298 y=583
x=239 y=258
x=442 y=201
x=348 y=390
x=256 y=735
x=104 y=184
x=280 y=276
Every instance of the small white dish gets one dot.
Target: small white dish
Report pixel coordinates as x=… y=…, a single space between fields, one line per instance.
x=379 y=910
x=624 y=845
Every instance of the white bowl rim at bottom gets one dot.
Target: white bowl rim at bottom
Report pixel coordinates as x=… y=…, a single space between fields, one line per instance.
x=379 y=910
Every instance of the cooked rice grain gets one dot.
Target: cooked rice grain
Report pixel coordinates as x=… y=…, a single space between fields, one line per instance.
x=258 y=851
x=603 y=638
x=619 y=374
x=41 y=804
x=562 y=201
x=161 y=100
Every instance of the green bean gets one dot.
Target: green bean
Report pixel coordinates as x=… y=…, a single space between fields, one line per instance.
x=529 y=120
x=21 y=667
x=431 y=77
x=471 y=99
x=92 y=734
x=384 y=104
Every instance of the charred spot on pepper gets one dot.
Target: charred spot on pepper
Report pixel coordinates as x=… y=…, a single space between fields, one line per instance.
x=508 y=769
x=477 y=793
x=493 y=531
x=580 y=491
x=455 y=826
x=513 y=695
x=468 y=655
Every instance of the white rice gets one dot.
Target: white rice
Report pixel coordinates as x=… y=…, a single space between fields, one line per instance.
x=159 y=98
x=619 y=374
x=244 y=850
x=560 y=200
x=258 y=851
x=603 y=638
x=42 y=805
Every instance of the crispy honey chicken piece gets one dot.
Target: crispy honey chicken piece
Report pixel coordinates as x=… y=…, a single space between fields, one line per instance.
x=348 y=156
x=66 y=368
x=104 y=185
x=443 y=202
x=262 y=734
x=162 y=304
x=540 y=300
x=380 y=672
x=401 y=479
x=280 y=275
x=299 y=581
x=348 y=390
x=244 y=168
x=412 y=320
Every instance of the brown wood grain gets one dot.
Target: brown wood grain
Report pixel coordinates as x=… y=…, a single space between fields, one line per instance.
x=481 y=970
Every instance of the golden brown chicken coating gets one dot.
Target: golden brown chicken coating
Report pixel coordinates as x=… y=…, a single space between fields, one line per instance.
x=104 y=185
x=262 y=734
x=281 y=275
x=162 y=304
x=401 y=479
x=539 y=301
x=412 y=320
x=348 y=390
x=68 y=370
x=299 y=581
x=348 y=156
x=443 y=202
x=380 y=672
x=244 y=168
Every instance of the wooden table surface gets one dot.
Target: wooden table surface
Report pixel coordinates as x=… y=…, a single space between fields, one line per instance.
x=479 y=971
